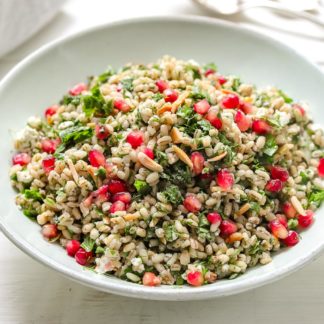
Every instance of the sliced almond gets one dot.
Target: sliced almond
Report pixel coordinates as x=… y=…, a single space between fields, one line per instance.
x=218 y=157
x=73 y=171
x=182 y=155
x=163 y=109
x=149 y=163
x=234 y=237
x=243 y=209
x=183 y=96
x=131 y=217
x=297 y=205
x=176 y=135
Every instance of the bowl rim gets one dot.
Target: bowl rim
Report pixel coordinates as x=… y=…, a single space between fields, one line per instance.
x=131 y=289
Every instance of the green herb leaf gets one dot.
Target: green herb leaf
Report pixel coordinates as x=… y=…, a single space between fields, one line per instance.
x=304 y=176
x=88 y=244
x=73 y=100
x=49 y=202
x=102 y=78
x=236 y=82
x=195 y=71
x=292 y=223
x=95 y=104
x=142 y=187
x=285 y=97
x=173 y=195
x=101 y=173
x=30 y=213
x=316 y=197
x=170 y=233
x=127 y=84
x=270 y=147
x=158 y=96
x=210 y=66
x=33 y=194
x=100 y=250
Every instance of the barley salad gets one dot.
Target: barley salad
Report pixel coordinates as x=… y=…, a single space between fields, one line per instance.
x=170 y=173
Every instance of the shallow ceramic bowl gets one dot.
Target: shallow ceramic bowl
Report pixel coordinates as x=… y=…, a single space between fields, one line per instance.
x=42 y=78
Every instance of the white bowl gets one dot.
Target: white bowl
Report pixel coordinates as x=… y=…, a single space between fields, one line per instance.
x=42 y=78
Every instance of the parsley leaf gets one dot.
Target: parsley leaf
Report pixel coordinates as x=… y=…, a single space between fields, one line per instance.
x=270 y=147
x=173 y=195
x=73 y=100
x=128 y=84
x=95 y=104
x=316 y=197
x=88 y=244
x=170 y=233
x=142 y=187
x=33 y=194
x=102 y=78
x=210 y=66
x=30 y=213
x=195 y=71
x=285 y=97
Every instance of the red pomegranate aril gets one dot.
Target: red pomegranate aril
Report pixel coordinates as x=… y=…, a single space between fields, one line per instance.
x=221 y=79
x=261 y=127
x=277 y=229
x=243 y=122
x=115 y=186
x=300 y=109
x=50 y=111
x=49 y=145
x=101 y=132
x=192 y=204
x=49 y=231
x=278 y=172
x=162 y=85
x=231 y=101
x=96 y=158
x=282 y=219
x=170 y=95
x=72 y=247
x=102 y=194
x=135 y=139
x=201 y=107
x=209 y=72
x=87 y=202
x=117 y=206
x=212 y=117
x=48 y=164
x=320 y=167
x=77 y=89
x=289 y=210
x=227 y=227
x=246 y=107
x=21 y=159
x=225 y=179
x=121 y=105
x=195 y=278
x=149 y=153
x=151 y=280
x=274 y=185
x=292 y=238
x=214 y=218
x=306 y=220
x=82 y=256
x=124 y=197
x=198 y=162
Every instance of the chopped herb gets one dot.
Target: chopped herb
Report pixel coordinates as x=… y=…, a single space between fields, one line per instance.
x=158 y=96
x=178 y=174
x=127 y=84
x=197 y=96
x=254 y=206
x=71 y=100
x=95 y=104
x=203 y=228
x=274 y=121
x=49 y=202
x=101 y=173
x=170 y=233
x=210 y=66
x=14 y=177
x=255 y=249
x=88 y=244
x=195 y=71
x=304 y=176
x=33 y=194
x=316 y=197
x=292 y=223
x=285 y=97
x=100 y=250
x=30 y=213
x=236 y=82
x=102 y=78
x=173 y=195
x=161 y=158
x=142 y=187
x=270 y=147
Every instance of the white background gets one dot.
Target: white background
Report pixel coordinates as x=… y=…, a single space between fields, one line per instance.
x=31 y=293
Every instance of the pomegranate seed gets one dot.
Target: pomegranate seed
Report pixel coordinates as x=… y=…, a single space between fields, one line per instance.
x=289 y=210
x=149 y=153
x=214 y=218
x=96 y=158
x=221 y=79
x=243 y=122
x=192 y=204
x=117 y=206
x=209 y=72
x=280 y=173
x=124 y=197
x=82 y=256
x=170 y=95
x=213 y=119
x=282 y=220
x=49 y=231
x=77 y=89
x=320 y=167
x=102 y=194
x=49 y=146
x=115 y=186
x=306 y=220
x=21 y=159
x=274 y=185
x=87 y=202
x=227 y=227
x=121 y=105
x=201 y=107
x=246 y=107
x=277 y=229
x=135 y=139
x=300 y=109
x=225 y=179
x=261 y=127
x=195 y=278
x=231 y=101
x=292 y=238
x=50 y=111
x=150 y=279
x=72 y=247
x=162 y=85
x=198 y=161
x=48 y=164
x=101 y=132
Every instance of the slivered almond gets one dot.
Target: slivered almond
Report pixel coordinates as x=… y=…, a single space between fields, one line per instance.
x=163 y=109
x=183 y=96
x=226 y=91
x=149 y=163
x=297 y=205
x=131 y=217
x=243 y=209
x=176 y=135
x=96 y=179
x=234 y=237
x=182 y=155
x=218 y=157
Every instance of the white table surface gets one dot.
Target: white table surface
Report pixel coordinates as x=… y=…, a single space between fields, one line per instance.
x=31 y=293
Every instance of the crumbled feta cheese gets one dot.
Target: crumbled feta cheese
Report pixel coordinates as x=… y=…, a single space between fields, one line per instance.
x=25 y=137
x=24 y=176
